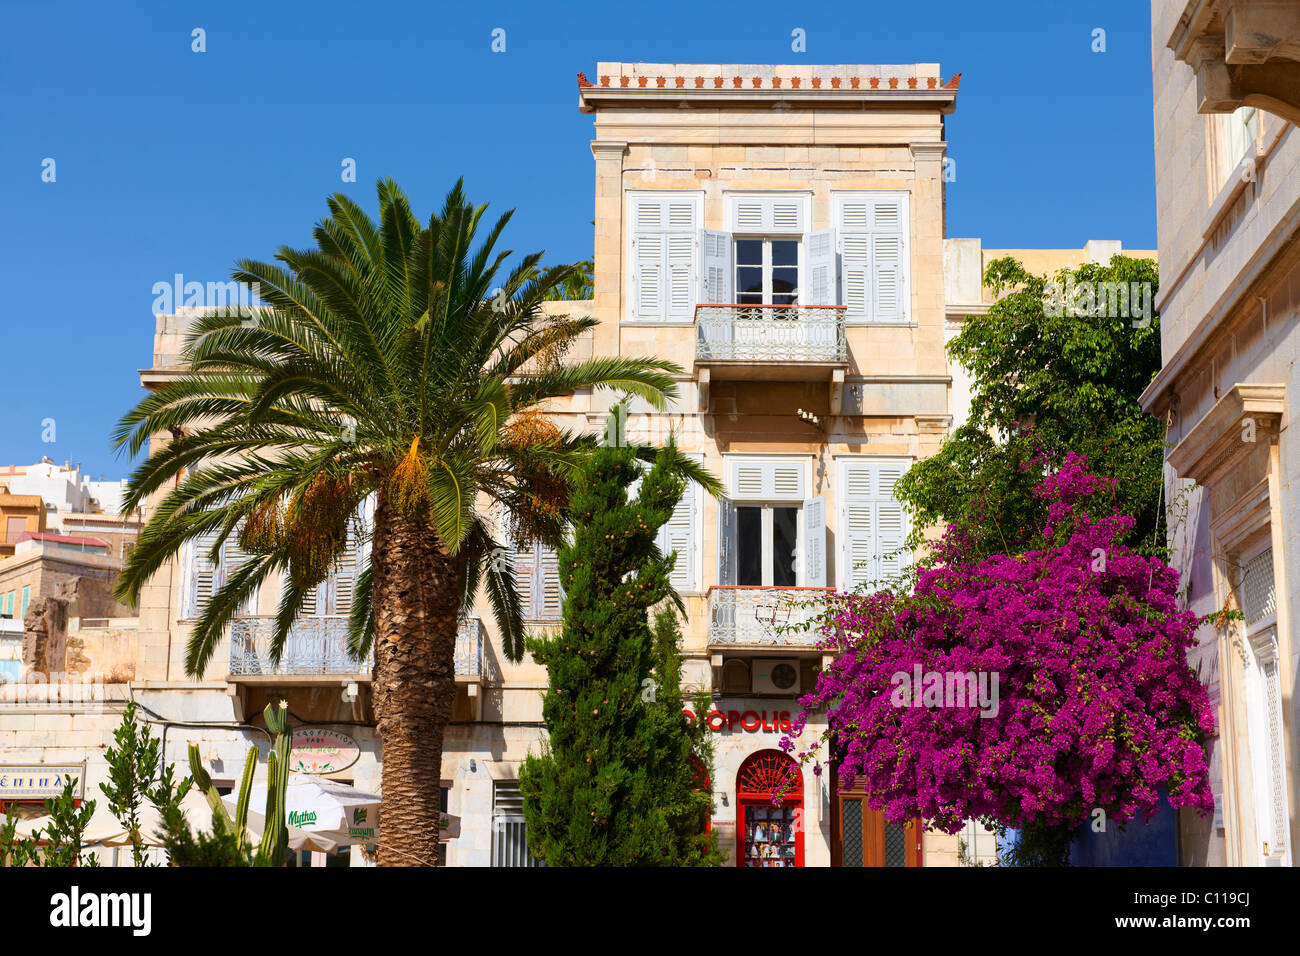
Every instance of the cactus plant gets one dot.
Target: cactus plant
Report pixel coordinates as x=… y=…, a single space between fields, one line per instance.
x=275 y=836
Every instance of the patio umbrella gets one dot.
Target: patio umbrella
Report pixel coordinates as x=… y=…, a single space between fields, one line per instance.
x=322 y=814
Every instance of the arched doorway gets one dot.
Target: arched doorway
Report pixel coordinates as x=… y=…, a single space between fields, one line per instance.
x=769 y=834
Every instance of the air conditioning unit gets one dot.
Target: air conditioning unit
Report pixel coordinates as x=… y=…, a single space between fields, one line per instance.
x=776 y=675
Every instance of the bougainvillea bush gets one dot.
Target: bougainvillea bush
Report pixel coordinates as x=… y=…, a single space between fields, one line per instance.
x=1098 y=707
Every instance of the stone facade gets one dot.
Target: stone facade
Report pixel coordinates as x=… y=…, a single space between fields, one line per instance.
x=1228 y=197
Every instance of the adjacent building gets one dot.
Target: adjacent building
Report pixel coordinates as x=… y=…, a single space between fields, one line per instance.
x=1227 y=96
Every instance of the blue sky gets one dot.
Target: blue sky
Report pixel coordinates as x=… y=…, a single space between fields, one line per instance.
x=173 y=161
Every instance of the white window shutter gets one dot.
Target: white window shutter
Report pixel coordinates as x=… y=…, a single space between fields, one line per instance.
x=715 y=267
x=889 y=287
x=820 y=269
x=650 y=250
x=345 y=577
x=550 y=593
x=873 y=525
x=232 y=559
x=726 y=542
x=856 y=275
x=681 y=277
x=814 y=543
x=767 y=479
x=204 y=573
x=523 y=563
x=678 y=535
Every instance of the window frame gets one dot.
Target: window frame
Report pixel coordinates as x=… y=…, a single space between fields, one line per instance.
x=766 y=266
x=630 y=197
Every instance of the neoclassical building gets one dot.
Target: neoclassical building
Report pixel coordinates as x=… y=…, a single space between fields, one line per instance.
x=1227 y=96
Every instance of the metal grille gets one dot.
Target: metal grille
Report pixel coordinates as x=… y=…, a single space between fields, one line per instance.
x=895 y=845
x=319 y=645
x=778 y=616
x=1258 y=590
x=770 y=333
x=851 y=811
x=509 y=831
x=1276 y=762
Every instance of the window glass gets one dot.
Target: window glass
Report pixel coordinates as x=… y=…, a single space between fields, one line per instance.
x=785 y=531
x=749 y=546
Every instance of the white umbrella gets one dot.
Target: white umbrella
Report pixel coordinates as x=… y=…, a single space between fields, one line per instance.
x=104 y=829
x=322 y=814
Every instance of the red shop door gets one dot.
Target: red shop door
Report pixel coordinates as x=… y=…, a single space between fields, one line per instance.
x=769 y=834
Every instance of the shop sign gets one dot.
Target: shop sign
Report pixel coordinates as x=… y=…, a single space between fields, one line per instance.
x=361 y=828
x=749 y=721
x=316 y=750
x=39 y=782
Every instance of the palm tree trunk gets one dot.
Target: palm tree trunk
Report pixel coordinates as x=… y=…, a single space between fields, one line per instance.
x=417 y=596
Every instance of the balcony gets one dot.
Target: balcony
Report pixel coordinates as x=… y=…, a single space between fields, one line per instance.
x=765 y=617
x=778 y=343
x=317 y=648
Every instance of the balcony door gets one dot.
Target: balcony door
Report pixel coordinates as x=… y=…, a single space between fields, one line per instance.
x=770 y=534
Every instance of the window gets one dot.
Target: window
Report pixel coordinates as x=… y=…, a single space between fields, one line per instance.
x=767 y=271
x=27 y=596
x=509 y=831
x=206 y=576
x=1265 y=708
x=873 y=525
x=873 y=229
x=1235 y=137
x=334 y=595
x=664 y=234
x=537 y=580
x=769 y=533
x=681 y=532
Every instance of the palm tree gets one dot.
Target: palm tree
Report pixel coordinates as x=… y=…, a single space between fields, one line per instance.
x=385 y=369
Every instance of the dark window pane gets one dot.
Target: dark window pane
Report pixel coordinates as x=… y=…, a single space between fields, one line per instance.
x=749 y=252
x=779 y=299
x=785 y=281
x=895 y=845
x=749 y=546
x=749 y=298
x=785 y=532
x=851 y=812
x=785 y=252
x=749 y=279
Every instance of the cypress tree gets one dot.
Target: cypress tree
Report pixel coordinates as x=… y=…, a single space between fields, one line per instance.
x=619 y=780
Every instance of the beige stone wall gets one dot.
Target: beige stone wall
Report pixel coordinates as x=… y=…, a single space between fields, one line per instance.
x=1229 y=299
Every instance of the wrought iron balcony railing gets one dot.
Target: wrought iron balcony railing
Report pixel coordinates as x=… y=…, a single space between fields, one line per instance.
x=777 y=617
x=770 y=333
x=319 y=646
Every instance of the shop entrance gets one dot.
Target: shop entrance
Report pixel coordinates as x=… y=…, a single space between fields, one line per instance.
x=769 y=834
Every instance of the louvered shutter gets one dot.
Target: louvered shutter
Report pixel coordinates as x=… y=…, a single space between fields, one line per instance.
x=814 y=543
x=820 y=268
x=873 y=524
x=766 y=479
x=715 y=267
x=726 y=542
x=873 y=243
x=856 y=275
x=752 y=213
x=345 y=577
x=651 y=254
x=523 y=564
x=678 y=533
x=232 y=559
x=663 y=254
x=887 y=265
x=204 y=573
x=550 y=594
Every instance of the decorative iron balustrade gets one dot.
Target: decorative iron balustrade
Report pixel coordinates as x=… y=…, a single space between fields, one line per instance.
x=319 y=645
x=770 y=333
x=778 y=617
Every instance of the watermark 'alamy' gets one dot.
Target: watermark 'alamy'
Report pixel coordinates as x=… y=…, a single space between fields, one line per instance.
x=1125 y=300
x=946 y=689
x=239 y=296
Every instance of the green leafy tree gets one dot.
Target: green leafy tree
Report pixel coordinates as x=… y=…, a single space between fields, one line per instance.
x=618 y=783
x=400 y=363
x=58 y=844
x=1043 y=385
x=580 y=284
x=133 y=762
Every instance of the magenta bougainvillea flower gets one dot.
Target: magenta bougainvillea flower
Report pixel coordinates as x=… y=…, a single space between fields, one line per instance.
x=1098 y=706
